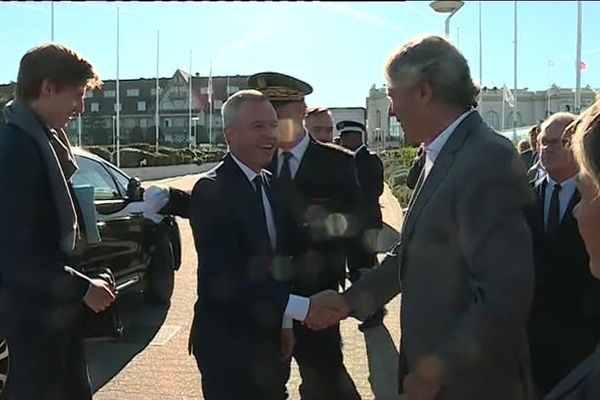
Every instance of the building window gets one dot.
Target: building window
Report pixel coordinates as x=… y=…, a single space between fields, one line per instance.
x=129 y=122
x=141 y=106
x=153 y=91
x=110 y=93
x=143 y=123
x=133 y=92
x=232 y=89
x=94 y=107
x=378 y=119
x=89 y=93
x=168 y=122
x=492 y=119
x=179 y=122
x=118 y=105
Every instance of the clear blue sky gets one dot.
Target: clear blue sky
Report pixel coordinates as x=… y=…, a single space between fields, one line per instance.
x=337 y=47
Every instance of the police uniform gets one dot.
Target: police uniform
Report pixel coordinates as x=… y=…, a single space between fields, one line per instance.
x=369 y=171
x=319 y=197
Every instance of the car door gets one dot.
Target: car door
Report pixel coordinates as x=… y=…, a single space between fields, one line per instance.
x=121 y=231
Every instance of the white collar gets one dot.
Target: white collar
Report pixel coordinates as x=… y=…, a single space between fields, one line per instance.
x=572 y=181
x=439 y=142
x=299 y=149
x=249 y=172
x=363 y=146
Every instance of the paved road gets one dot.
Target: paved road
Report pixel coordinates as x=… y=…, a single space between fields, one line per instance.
x=151 y=362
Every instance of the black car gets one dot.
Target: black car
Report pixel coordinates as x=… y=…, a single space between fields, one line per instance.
x=141 y=250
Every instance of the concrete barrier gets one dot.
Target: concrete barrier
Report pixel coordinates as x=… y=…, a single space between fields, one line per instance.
x=171 y=171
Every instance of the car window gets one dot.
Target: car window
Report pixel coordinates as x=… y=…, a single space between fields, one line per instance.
x=122 y=180
x=93 y=173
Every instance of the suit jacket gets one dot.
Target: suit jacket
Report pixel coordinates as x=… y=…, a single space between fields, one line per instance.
x=564 y=326
x=465 y=268
x=323 y=190
x=238 y=314
x=38 y=294
x=369 y=170
x=583 y=383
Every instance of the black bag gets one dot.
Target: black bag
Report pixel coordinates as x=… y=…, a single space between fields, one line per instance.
x=107 y=323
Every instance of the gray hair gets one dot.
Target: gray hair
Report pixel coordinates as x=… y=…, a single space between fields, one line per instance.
x=235 y=101
x=434 y=60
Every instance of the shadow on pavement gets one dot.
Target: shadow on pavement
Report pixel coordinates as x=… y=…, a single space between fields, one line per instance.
x=383 y=363
x=106 y=358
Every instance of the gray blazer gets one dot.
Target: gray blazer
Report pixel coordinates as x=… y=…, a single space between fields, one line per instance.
x=466 y=270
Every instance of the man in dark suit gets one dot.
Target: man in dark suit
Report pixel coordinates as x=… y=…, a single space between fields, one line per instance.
x=316 y=183
x=242 y=330
x=465 y=259
x=369 y=170
x=41 y=300
x=564 y=326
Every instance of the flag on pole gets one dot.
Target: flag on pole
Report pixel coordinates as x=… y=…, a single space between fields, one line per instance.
x=507 y=96
x=582 y=66
x=209 y=91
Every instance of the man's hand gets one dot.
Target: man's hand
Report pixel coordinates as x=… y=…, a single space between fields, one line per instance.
x=417 y=387
x=287 y=343
x=99 y=295
x=326 y=309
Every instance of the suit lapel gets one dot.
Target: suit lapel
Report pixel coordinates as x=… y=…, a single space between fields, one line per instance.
x=247 y=204
x=438 y=173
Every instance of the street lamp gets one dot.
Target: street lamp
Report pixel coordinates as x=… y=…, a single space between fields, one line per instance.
x=446 y=7
x=195 y=121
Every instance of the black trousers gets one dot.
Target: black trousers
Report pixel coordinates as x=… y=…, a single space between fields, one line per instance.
x=321 y=364
x=47 y=366
x=229 y=374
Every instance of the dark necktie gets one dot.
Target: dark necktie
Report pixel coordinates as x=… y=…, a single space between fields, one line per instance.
x=285 y=176
x=258 y=185
x=554 y=213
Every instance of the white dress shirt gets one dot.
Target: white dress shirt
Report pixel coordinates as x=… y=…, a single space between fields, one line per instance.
x=565 y=195
x=297 y=306
x=435 y=147
x=297 y=154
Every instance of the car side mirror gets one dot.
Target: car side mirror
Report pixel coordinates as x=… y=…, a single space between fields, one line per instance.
x=135 y=191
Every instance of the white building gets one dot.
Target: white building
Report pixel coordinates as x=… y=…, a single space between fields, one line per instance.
x=532 y=107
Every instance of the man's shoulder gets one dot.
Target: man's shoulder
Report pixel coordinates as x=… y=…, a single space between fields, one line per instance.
x=333 y=153
x=487 y=145
x=12 y=135
x=209 y=184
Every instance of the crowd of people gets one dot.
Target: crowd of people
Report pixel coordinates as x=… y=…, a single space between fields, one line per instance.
x=498 y=259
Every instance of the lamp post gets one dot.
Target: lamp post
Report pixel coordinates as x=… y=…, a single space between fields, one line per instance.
x=446 y=7
x=195 y=121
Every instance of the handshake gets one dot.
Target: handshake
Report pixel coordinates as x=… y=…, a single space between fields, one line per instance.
x=326 y=309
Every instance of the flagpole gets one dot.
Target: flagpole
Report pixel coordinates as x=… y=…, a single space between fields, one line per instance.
x=52 y=21
x=578 y=65
x=480 y=63
x=156 y=117
x=118 y=100
x=79 y=129
x=210 y=105
x=516 y=94
x=190 y=104
x=503 y=115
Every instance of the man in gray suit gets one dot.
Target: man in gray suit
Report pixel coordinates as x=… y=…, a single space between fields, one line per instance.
x=465 y=263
